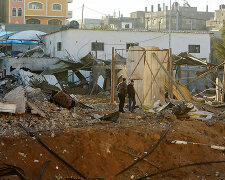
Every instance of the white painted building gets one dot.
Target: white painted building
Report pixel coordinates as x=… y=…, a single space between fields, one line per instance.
x=80 y=42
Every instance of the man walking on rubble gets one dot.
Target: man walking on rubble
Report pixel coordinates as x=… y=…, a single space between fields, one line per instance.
x=122 y=92
x=131 y=96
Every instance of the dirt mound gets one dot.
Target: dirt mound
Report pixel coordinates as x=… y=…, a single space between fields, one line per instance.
x=104 y=150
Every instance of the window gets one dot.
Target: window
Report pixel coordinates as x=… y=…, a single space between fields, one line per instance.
x=131 y=45
x=59 y=46
x=54 y=22
x=13 y=11
x=56 y=7
x=33 y=21
x=194 y=48
x=188 y=21
x=174 y=20
x=20 y=12
x=127 y=26
x=97 y=46
x=35 y=5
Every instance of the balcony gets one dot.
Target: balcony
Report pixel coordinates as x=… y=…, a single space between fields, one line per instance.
x=69 y=14
x=69 y=1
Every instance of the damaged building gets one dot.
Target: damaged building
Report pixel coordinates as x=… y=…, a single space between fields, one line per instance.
x=59 y=115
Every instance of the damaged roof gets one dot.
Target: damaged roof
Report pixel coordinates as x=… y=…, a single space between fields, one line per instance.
x=185 y=58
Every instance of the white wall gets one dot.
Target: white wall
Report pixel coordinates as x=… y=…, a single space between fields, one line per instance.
x=78 y=42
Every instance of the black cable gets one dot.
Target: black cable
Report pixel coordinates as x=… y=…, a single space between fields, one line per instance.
x=150 y=152
x=179 y=167
x=43 y=170
x=51 y=151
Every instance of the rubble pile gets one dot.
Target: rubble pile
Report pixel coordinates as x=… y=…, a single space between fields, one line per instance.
x=91 y=130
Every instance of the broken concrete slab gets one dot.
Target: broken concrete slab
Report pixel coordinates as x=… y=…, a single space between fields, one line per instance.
x=17 y=96
x=31 y=79
x=111 y=117
x=198 y=115
x=35 y=110
x=32 y=91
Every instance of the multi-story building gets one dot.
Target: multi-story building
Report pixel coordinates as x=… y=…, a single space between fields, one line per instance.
x=53 y=12
x=135 y=21
x=217 y=23
x=182 y=18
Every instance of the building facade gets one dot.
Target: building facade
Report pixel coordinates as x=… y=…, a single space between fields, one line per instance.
x=52 y=12
x=135 y=21
x=89 y=23
x=78 y=43
x=182 y=18
x=217 y=23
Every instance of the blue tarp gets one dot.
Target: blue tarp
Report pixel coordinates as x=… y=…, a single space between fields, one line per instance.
x=3 y=41
x=20 y=42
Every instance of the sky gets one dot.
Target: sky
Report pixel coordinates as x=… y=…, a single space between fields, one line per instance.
x=99 y=8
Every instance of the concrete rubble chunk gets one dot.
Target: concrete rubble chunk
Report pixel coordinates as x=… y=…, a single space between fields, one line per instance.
x=35 y=110
x=17 y=96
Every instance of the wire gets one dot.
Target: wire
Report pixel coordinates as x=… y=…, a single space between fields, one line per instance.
x=76 y=8
x=179 y=167
x=142 y=40
x=155 y=37
x=96 y=11
x=146 y=155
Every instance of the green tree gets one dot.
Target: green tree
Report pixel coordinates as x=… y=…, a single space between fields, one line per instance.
x=99 y=27
x=220 y=45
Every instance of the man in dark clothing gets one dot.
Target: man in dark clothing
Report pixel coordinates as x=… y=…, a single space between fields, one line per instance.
x=131 y=96
x=122 y=92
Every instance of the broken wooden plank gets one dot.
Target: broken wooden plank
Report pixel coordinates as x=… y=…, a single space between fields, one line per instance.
x=35 y=110
x=170 y=77
x=185 y=91
x=9 y=108
x=218 y=90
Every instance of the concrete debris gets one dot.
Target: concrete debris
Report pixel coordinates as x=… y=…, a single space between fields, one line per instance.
x=199 y=115
x=17 y=96
x=3 y=82
x=36 y=52
x=32 y=91
x=10 y=108
x=182 y=108
x=111 y=117
x=35 y=110
x=34 y=80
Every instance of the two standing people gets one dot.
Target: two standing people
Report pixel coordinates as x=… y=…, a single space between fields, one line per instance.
x=123 y=90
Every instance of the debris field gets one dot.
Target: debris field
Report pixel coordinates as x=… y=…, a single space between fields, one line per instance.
x=101 y=149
